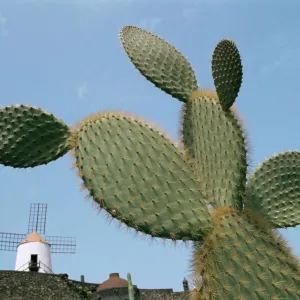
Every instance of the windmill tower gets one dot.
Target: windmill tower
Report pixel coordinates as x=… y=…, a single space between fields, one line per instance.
x=33 y=250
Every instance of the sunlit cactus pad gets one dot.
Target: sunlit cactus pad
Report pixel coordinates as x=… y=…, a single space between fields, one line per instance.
x=31 y=137
x=140 y=177
x=159 y=62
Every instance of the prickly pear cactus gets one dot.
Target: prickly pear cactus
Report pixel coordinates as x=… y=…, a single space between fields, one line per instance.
x=198 y=192
x=242 y=257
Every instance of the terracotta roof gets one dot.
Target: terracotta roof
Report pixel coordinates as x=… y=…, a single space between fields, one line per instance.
x=113 y=281
x=33 y=237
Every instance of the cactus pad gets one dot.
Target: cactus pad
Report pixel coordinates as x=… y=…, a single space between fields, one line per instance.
x=30 y=137
x=274 y=189
x=140 y=177
x=216 y=144
x=159 y=62
x=227 y=72
x=244 y=259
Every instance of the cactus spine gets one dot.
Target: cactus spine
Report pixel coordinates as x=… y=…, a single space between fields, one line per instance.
x=139 y=177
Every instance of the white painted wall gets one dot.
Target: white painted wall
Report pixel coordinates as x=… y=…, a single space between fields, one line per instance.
x=24 y=252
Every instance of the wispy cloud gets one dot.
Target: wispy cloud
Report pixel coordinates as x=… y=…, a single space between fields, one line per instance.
x=284 y=52
x=3 y=22
x=82 y=89
x=190 y=13
x=150 y=24
x=271 y=67
x=286 y=58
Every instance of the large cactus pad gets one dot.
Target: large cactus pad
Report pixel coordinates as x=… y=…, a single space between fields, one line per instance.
x=30 y=137
x=140 y=177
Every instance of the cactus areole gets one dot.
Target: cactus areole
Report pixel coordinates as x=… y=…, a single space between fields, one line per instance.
x=196 y=192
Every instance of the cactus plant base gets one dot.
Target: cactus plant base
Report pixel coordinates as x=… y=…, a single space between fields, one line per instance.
x=244 y=258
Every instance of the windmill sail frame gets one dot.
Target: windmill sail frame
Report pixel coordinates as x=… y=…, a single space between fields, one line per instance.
x=37 y=223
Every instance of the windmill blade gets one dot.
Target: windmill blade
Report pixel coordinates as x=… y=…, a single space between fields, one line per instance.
x=10 y=241
x=62 y=244
x=37 y=218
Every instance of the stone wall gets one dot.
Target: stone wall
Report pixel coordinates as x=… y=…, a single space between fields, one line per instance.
x=15 y=285
x=87 y=285
x=112 y=294
x=85 y=289
x=140 y=294
x=163 y=294
x=36 y=286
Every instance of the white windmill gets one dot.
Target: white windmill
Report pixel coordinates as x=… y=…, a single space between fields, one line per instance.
x=33 y=250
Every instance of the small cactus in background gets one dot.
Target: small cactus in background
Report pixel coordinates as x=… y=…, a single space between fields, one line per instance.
x=143 y=180
x=130 y=287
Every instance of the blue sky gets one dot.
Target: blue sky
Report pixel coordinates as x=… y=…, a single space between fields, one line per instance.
x=66 y=57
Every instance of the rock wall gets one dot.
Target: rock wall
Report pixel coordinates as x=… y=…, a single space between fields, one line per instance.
x=163 y=294
x=35 y=286
x=15 y=285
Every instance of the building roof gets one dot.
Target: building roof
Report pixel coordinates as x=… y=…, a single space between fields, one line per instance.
x=114 y=281
x=34 y=237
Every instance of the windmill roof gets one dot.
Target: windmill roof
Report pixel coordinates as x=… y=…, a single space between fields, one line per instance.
x=34 y=237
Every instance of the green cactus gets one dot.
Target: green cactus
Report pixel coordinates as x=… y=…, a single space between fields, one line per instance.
x=30 y=137
x=166 y=67
x=130 y=287
x=220 y=164
x=242 y=257
x=196 y=192
x=140 y=177
x=274 y=189
x=227 y=72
